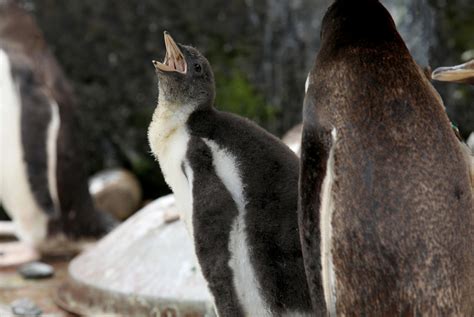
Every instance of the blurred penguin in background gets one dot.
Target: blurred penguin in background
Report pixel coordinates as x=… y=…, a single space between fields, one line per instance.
x=43 y=183
x=463 y=73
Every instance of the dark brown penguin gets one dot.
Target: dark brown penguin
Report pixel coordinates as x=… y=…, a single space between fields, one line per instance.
x=43 y=182
x=381 y=177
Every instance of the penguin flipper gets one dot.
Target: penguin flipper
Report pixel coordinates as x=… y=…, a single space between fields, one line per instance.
x=316 y=145
x=35 y=119
x=213 y=213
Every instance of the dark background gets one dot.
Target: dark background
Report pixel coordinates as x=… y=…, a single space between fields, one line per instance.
x=261 y=52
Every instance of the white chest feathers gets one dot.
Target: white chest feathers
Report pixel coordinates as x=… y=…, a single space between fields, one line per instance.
x=168 y=138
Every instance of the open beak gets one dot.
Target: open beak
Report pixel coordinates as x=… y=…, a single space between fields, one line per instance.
x=174 y=60
x=461 y=73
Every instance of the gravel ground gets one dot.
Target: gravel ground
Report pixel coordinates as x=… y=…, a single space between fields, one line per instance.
x=14 y=287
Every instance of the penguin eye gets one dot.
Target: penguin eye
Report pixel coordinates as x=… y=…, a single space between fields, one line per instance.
x=197 y=68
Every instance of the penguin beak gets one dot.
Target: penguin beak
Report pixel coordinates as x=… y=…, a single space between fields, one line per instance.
x=174 y=59
x=461 y=73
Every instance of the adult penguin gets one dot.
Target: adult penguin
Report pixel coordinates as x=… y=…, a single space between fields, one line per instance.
x=43 y=183
x=381 y=177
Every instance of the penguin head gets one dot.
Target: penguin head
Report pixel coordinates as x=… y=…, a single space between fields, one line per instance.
x=185 y=76
x=353 y=23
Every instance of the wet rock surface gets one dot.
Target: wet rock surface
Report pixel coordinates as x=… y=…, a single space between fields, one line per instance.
x=25 y=307
x=13 y=287
x=36 y=270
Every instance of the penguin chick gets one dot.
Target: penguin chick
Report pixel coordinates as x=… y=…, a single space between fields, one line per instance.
x=237 y=187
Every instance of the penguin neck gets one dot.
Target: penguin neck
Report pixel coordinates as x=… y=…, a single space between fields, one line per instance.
x=176 y=113
x=168 y=119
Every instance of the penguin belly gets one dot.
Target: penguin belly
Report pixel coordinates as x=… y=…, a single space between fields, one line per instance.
x=246 y=284
x=206 y=179
x=15 y=191
x=168 y=140
x=178 y=175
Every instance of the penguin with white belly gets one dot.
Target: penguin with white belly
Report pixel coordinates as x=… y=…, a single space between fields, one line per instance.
x=237 y=187
x=43 y=184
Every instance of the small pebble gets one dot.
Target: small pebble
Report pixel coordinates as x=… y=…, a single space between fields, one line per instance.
x=25 y=307
x=36 y=270
x=171 y=216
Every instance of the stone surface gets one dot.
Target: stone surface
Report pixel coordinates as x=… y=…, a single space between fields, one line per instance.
x=116 y=191
x=5 y=311
x=36 y=270
x=25 y=307
x=146 y=266
x=41 y=292
x=292 y=138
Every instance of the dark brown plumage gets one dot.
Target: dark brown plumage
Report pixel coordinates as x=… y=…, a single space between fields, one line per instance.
x=402 y=218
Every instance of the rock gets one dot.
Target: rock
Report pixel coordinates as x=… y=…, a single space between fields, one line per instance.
x=145 y=267
x=116 y=191
x=470 y=141
x=25 y=307
x=5 y=311
x=36 y=270
x=292 y=138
